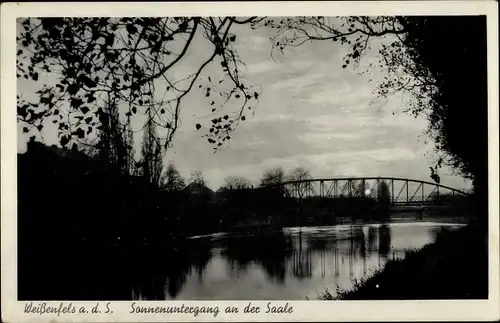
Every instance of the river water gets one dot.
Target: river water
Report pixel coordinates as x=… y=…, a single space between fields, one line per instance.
x=288 y=264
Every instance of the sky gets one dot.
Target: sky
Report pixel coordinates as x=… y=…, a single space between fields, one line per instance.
x=311 y=113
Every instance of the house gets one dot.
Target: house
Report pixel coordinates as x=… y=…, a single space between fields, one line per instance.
x=199 y=189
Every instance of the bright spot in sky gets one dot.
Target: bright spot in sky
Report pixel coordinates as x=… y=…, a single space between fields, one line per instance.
x=368 y=191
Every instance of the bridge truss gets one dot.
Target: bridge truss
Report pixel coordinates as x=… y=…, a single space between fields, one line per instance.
x=396 y=191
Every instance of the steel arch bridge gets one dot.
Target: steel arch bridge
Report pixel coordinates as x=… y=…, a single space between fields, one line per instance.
x=394 y=190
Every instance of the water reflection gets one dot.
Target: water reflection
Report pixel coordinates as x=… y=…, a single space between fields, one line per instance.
x=286 y=264
x=384 y=241
x=162 y=278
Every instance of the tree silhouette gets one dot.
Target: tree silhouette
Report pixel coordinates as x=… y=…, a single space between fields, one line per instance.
x=298 y=174
x=132 y=59
x=151 y=154
x=383 y=198
x=237 y=182
x=197 y=177
x=360 y=189
x=172 y=181
x=112 y=143
x=273 y=176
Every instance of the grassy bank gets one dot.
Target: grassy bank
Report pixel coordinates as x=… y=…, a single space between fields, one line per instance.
x=455 y=266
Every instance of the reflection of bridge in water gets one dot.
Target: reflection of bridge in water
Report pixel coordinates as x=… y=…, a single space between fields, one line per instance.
x=393 y=190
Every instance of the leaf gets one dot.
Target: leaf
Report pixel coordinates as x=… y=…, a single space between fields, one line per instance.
x=72 y=88
x=64 y=141
x=79 y=132
x=131 y=29
x=198 y=126
x=88 y=81
x=110 y=39
x=84 y=110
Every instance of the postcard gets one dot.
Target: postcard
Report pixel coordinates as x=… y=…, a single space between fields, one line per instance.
x=250 y=161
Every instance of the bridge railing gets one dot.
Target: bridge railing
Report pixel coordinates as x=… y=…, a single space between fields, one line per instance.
x=392 y=190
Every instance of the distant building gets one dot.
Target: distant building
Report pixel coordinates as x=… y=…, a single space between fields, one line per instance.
x=39 y=149
x=199 y=189
x=221 y=190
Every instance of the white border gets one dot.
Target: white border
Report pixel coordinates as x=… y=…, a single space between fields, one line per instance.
x=12 y=310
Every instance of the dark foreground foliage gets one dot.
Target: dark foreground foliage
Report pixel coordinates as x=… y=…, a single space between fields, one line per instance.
x=454 y=267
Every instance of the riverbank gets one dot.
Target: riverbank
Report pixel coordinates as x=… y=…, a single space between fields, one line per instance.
x=455 y=266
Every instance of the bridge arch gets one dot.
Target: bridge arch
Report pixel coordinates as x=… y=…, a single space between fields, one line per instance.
x=395 y=189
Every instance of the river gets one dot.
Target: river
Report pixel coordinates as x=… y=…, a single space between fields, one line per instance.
x=288 y=264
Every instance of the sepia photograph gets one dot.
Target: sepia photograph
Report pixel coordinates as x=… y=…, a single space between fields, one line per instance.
x=252 y=158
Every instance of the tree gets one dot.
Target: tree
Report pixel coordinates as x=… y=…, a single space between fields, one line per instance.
x=151 y=154
x=273 y=176
x=237 y=182
x=130 y=58
x=360 y=189
x=430 y=58
x=172 y=180
x=111 y=146
x=383 y=198
x=298 y=174
x=197 y=177
x=383 y=194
